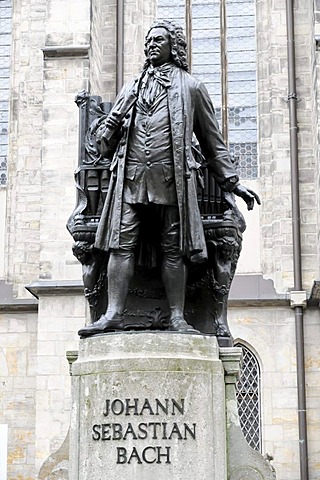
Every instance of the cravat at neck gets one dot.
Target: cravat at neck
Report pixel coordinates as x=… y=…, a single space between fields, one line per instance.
x=161 y=74
x=154 y=81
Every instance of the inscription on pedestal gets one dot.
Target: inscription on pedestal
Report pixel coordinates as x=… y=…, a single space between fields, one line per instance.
x=135 y=430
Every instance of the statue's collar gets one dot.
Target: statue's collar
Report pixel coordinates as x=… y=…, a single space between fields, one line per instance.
x=161 y=74
x=165 y=68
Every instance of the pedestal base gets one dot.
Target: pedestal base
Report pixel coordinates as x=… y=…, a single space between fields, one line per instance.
x=148 y=405
x=158 y=406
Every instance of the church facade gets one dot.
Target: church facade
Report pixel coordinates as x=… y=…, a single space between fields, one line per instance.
x=242 y=51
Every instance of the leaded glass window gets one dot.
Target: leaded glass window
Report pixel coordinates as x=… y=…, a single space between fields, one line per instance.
x=5 y=43
x=204 y=26
x=248 y=398
x=242 y=90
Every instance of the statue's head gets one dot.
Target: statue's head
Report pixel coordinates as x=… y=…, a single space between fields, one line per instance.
x=177 y=40
x=82 y=250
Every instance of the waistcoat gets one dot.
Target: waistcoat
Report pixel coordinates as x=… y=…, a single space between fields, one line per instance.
x=149 y=172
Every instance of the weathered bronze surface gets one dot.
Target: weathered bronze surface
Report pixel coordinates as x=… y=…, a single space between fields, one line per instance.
x=156 y=226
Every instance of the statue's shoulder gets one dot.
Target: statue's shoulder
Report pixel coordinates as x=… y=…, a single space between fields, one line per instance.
x=189 y=81
x=129 y=86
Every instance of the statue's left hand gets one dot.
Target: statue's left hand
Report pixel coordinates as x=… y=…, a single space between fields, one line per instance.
x=249 y=196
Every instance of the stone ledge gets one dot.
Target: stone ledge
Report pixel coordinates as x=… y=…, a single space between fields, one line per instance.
x=10 y=304
x=58 y=51
x=246 y=291
x=253 y=286
x=26 y=306
x=61 y=287
x=253 y=290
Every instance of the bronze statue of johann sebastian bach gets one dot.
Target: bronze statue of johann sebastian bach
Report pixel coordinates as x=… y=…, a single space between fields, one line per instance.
x=146 y=141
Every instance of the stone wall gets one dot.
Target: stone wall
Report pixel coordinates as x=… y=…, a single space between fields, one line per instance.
x=138 y=15
x=275 y=190
x=3 y=204
x=60 y=317
x=40 y=196
x=25 y=135
x=317 y=89
x=18 y=365
x=270 y=334
x=103 y=49
x=63 y=78
x=43 y=137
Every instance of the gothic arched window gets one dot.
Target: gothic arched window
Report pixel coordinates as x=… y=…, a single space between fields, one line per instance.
x=248 y=397
x=222 y=54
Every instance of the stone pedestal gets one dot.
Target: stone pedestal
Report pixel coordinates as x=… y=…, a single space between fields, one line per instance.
x=158 y=406
x=148 y=406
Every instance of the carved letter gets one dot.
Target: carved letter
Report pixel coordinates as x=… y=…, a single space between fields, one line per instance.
x=106 y=412
x=121 y=455
x=164 y=431
x=134 y=406
x=120 y=406
x=130 y=431
x=146 y=406
x=167 y=454
x=144 y=458
x=175 y=430
x=177 y=406
x=142 y=427
x=163 y=408
x=117 y=431
x=190 y=431
x=105 y=431
x=96 y=433
x=155 y=425
x=135 y=455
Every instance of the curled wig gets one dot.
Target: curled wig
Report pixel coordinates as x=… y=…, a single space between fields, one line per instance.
x=177 y=41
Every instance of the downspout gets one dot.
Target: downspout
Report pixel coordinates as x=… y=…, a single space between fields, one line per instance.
x=298 y=296
x=120 y=45
x=188 y=15
x=224 y=71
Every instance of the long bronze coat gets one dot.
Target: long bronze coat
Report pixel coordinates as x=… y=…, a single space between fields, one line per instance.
x=191 y=111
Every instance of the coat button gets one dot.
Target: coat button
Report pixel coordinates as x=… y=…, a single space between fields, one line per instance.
x=147 y=152
x=148 y=164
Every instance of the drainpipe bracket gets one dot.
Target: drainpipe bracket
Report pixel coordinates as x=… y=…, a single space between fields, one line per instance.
x=298 y=298
x=292 y=96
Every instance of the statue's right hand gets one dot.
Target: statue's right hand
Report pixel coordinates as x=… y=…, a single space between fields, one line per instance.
x=113 y=119
x=99 y=133
x=108 y=127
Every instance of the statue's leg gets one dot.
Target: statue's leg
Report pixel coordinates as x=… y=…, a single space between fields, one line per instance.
x=120 y=272
x=174 y=270
x=174 y=277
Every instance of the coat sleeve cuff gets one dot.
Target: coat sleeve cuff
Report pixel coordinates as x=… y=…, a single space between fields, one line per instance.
x=230 y=184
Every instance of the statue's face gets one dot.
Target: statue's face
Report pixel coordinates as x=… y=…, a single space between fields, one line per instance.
x=158 y=46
